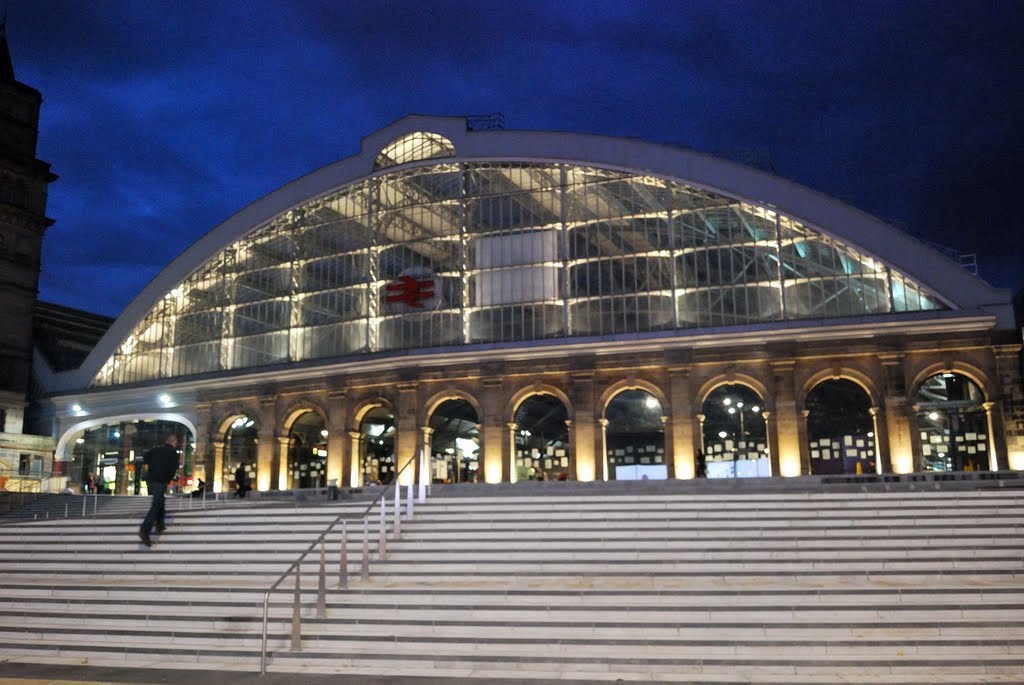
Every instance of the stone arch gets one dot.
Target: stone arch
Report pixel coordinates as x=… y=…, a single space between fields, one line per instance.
x=614 y=389
x=72 y=431
x=721 y=379
x=439 y=398
x=296 y=409
x=362 y=407
x=229 y=414
x=537 y=389
x=866 y=383
x=975 y=374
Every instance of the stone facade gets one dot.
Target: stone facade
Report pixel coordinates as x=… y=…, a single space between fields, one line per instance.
x=889 y=369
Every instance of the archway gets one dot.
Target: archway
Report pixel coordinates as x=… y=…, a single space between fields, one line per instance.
x=952 y=424
x=455 y=443
x=240 y=450
x=541 y=439
x=107 y=458
x=735 y=436
x=377 y=446
x=307 y=451
x=635 y=437
x=840 y=428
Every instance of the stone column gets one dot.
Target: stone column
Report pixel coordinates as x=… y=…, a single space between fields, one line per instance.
x=283 y=467
x=511 y=462
x=355 y=473
x=771 y=434
x=216 y=479
x=266 y=445
x=1009 y=414
x=898 y=424
x=583 y=457
x=336 y=457
x=993 y=457
x=425 y=444
x=265 y=448
x=880 y=441
x=787 y=422
x=805 y=440
x=406 y=433
x=203 y=454
x=492 y=428
x=684 y=444
x=604 y=448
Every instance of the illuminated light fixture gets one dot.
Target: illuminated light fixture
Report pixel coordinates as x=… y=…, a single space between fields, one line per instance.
x=250 y=423
x=871 y=434
x=323 y=433
x=949 y=375
x=727 y=401
x=755 y=409
x=76 y=407
x=650 y=403
x=80 y=441
x=117 y=434
x=722 y=434
x=165 y=399
x=238 y=422
x=732 y=410
x=321 y=453
x=933 y=415
x=739 y=405
x=450 y=450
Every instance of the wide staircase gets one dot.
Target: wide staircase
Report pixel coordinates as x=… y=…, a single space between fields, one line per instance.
x=621 y=583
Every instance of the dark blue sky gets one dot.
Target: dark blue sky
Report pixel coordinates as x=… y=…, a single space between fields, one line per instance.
x=162 y=119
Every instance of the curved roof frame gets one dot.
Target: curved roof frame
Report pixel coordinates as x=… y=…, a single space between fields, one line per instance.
x=856 y=229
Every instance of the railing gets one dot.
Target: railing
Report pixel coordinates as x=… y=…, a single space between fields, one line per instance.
x=321 y=595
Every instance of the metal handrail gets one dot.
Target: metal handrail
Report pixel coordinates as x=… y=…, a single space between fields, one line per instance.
x=321 y=589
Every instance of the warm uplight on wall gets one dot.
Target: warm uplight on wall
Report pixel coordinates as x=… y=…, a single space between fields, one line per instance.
x=492 y=468
x=585 y=467
x=1016 y=461
x=902 y=462
x=789 y=465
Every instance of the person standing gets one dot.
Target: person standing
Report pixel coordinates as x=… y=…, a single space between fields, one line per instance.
x=161 y=464
x=241 y=481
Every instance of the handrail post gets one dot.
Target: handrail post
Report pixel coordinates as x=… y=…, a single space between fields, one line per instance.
x=95 y=504
x=398 y=509
x=263 y=640
x=85 y=503
x=382 y=542
x=321 y=588
x=408 y=508
x=424 y=473
x=66 y=509
x=366 y=548
x=343 y=564
x=296 y=617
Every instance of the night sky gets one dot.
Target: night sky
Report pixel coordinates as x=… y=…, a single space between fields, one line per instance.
x=163 y=119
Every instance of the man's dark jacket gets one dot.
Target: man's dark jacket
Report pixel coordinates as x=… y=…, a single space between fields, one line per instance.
x=162 y=463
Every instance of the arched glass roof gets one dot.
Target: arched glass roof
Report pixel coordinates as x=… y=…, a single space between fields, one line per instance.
x=460 y=253
x=414 y=147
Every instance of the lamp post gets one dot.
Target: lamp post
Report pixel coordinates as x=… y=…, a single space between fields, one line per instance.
x=737 y=407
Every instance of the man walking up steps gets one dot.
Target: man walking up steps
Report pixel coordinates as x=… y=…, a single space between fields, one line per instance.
x=161 y=465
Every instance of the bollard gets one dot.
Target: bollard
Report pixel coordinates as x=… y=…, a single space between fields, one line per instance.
x=343 y=563
x=366 y=548
x=296 y=618
x=321 y=587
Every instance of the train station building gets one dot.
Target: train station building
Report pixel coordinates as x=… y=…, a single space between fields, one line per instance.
x=541 y=305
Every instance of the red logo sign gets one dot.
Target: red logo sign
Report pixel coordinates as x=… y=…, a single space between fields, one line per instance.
x=410 y=291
